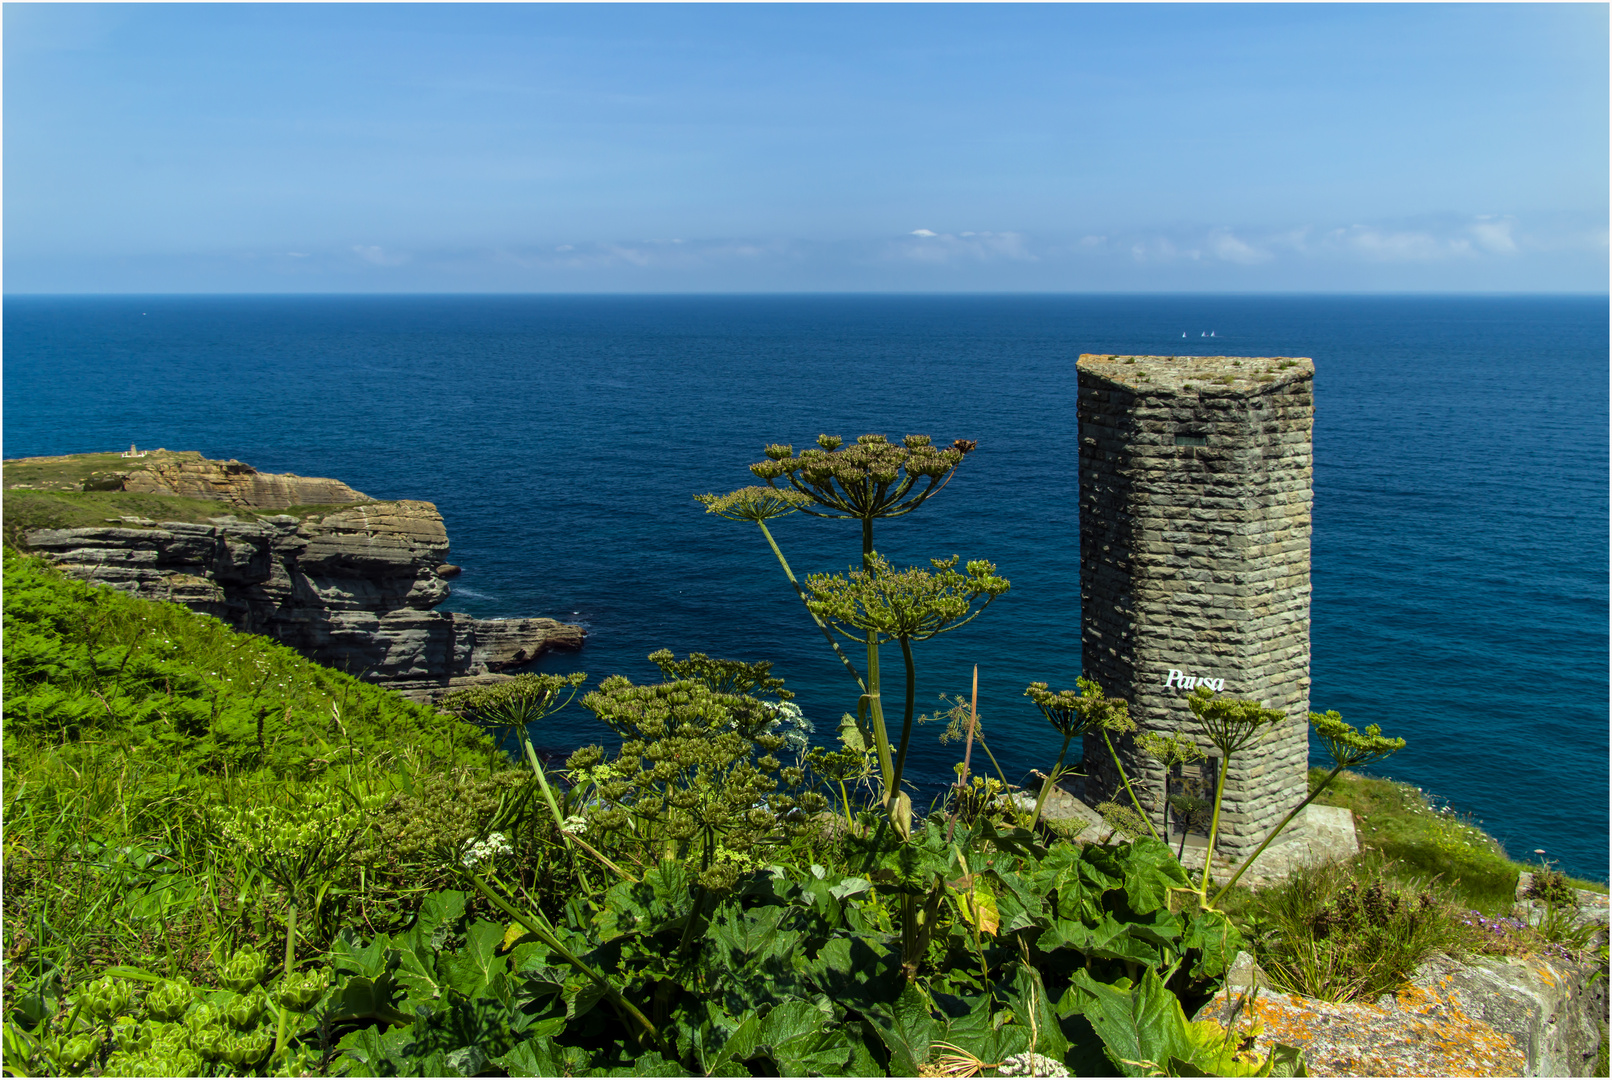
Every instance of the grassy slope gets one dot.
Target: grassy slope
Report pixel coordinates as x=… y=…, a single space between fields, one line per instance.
x=131 y=730
x=64 y=493
x=1421 y=842
x=78 y=472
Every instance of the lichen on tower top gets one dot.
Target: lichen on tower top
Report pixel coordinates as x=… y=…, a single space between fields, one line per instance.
x=1176 y=374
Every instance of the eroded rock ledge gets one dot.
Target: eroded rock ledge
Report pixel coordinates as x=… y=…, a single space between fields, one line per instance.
x=354 y=587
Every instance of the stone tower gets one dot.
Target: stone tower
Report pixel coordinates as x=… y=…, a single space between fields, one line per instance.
x=1195 y=499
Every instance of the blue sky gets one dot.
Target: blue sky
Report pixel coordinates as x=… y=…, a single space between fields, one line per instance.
x=312 y=148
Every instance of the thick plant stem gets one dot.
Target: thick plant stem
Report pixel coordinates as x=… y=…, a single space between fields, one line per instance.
x=693 y=917
x=1052 y=778
x=1274 y=833
x=910 y=936
x=899 y=807
x=881 y=737
x=906 y=715
x=559 y=819
x=1214 y=826
x=994 y=763
x=1137 y=803
x=290 y=960
x=542 y=780
x=538 y=926
x=800 y=592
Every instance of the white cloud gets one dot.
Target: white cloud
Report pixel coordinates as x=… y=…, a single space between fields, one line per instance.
x=1494 y=234
x=968 y=247
x=1228 y=247
x=379 y=256
x=1384 y=245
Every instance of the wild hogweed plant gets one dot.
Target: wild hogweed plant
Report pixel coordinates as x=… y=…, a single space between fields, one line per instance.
x=1230 y=725
x=904 y=606
x=867 y=480
x=1084 y=711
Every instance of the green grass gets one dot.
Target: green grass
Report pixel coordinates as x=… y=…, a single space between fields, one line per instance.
x=73 y=471
x=1349 y=931
x=82 y=491
x=25 y=511
x=136 y=731
x=1357 y=928
x=1423 y=843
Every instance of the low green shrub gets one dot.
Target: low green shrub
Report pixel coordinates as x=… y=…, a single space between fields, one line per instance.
x=1345 y=931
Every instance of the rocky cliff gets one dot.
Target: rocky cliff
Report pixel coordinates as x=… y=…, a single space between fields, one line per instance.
x=353 y=586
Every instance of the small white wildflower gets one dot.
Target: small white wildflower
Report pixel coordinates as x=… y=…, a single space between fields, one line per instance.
x=575 y=825
x=480 y=851
x=789 y=722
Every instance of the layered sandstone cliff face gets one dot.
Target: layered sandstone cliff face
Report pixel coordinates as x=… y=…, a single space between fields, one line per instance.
x=354 y=588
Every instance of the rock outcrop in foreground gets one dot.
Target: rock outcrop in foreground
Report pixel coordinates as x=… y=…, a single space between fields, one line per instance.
x=1488 y=1016
x=353 y=587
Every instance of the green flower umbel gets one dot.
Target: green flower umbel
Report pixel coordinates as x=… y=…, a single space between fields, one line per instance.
x=885 y=604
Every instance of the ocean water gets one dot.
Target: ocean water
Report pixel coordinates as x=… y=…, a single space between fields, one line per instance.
x=1461 y=521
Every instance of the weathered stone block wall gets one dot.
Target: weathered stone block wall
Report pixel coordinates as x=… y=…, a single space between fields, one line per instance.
x=1195 y=500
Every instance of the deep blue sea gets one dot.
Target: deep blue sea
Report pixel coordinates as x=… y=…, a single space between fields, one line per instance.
x=1460 y=547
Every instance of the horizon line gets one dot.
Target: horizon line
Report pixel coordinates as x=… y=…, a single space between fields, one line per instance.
x=1580 y=293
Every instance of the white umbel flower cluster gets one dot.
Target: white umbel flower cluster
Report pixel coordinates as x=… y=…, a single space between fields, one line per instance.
x=480 y=851
x=789 y=722
x=1031 y=1065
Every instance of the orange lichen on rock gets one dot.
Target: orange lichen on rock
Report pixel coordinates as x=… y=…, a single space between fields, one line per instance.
x=1420 y=1031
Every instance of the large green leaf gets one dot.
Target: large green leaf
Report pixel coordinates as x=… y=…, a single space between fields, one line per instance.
x=647 y=1064
x=797 y=1037
x=368 y=1052
x=1142 y=1026
x=1217 y=943
x=472 y=967
x=542 y=1056
x=348 y=956
x=858 y=973
x=1110 y=939
x=1034 y=1010
x=907 y=1028
x=1017 y=902
x=1159 y=927
x=439 y=913
x=751 y=959
x=661 y=901
x=1058 y=877
x=1149 y=870
x=416 y=972
x=360 y=998
x=973 y=1027
x=1102 y=867
x=744 y=935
